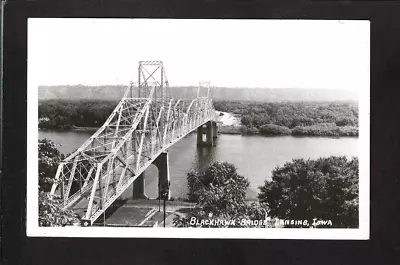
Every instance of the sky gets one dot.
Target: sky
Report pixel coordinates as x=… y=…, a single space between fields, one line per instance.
x=318 y=54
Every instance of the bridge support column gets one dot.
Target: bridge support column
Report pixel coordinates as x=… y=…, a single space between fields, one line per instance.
x=139 y=187
x=162 y=164
x=200 y=135
x=215 y=130
x=210 y=130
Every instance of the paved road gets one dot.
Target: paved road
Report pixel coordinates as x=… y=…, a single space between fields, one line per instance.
x=142 y=212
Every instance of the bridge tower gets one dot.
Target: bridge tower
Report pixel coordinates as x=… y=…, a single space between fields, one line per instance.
x=151 y=75
x=207 y=132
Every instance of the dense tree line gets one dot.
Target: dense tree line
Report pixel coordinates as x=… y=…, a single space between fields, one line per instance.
x=272 y=118
x=64 y=114
x=318 y=193
x=296 y=118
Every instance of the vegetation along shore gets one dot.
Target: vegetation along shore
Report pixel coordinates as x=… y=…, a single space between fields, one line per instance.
x=245 y=117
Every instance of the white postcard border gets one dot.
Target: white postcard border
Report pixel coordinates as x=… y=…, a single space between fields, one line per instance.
x=362 y=233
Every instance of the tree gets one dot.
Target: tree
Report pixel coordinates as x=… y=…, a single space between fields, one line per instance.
x=326 y=189
x=50 y=214
x=49 y=158
x=221 y=194
x=215 y=175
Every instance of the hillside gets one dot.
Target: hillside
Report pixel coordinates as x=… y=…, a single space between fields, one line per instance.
x=218 y=93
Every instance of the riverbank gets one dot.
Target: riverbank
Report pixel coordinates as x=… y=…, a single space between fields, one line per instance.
x=264 y=118
x=76 y=128
x=228 y=119
x=73 y=128
x=228 y=130
x=231 y=124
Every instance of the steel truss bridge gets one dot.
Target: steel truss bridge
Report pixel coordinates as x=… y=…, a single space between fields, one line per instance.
x=144 y=124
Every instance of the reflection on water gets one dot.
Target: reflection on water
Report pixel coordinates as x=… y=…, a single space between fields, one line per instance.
x=254 y=156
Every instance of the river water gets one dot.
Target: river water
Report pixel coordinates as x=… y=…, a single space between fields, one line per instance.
x=254 y=156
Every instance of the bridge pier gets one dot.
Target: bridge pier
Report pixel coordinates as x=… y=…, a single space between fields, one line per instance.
x=210 y=130
x=162 y=164
x=139 y=187
x=215 y=130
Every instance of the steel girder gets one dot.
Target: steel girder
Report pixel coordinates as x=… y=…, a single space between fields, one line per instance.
x=135 y=133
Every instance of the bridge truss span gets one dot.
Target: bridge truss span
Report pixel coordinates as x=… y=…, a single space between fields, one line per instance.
x=146 y=121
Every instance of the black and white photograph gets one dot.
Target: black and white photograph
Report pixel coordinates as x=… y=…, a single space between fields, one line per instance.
x=153 y=127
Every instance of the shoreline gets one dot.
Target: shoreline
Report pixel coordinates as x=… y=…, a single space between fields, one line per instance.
x=75 y=128
x=93 y=129
x=231 y=124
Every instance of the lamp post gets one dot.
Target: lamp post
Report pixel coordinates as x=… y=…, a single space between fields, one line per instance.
x=164 y=194
x=164 y=211
x=159 y=196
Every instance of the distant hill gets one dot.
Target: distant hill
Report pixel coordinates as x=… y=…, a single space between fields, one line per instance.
x=218 y=93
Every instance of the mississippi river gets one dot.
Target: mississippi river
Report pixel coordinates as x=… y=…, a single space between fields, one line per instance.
x=254 y=156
